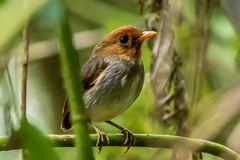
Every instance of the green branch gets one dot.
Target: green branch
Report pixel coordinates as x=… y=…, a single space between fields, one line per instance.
x=143 y=140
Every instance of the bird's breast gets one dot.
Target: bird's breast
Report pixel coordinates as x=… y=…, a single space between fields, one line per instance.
x=119 y=87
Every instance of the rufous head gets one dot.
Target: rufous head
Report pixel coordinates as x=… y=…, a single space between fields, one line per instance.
x=125 y=41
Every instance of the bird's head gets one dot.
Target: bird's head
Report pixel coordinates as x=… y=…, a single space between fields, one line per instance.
x=125 y=42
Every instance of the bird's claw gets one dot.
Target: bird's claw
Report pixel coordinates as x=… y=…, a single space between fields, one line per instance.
x=100 y=141
x=129 y=138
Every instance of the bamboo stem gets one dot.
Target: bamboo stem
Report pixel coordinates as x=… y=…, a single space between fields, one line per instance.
x=70 y=72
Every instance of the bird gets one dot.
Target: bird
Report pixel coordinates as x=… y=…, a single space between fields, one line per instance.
x=112 y=79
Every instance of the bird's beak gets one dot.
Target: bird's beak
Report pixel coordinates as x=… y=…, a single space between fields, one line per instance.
x=147 y=34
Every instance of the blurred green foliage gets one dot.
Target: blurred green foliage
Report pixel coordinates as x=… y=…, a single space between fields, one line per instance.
x=12 y=19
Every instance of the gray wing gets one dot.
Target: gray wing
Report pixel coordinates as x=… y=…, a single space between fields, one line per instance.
x=90 y=72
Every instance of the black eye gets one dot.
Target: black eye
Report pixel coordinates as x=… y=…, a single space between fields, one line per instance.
x=123 y=39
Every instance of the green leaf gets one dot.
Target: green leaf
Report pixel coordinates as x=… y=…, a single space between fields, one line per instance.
x=37 y=146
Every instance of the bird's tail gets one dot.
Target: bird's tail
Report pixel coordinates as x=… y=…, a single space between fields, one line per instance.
x=66 y=123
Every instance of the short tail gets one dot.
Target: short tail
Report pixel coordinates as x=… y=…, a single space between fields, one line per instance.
x=66 y=123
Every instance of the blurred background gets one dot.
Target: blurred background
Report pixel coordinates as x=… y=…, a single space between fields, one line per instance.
x=192 y=69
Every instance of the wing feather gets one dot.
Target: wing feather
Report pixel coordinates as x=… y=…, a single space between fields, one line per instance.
x=91 y=72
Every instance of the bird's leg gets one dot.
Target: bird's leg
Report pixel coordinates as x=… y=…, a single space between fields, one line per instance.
x=129 y=137
x=101 y=136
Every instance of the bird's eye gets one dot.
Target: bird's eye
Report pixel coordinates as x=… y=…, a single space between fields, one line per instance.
x=123 y=39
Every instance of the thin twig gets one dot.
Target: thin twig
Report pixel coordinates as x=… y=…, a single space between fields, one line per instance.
x=142 y=140
x=25 y=70
x=24 y=78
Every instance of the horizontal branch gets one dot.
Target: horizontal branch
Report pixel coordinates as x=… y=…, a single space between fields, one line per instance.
x=143 y=140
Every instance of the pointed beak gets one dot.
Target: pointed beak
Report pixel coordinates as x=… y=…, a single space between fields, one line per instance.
x=147 y=34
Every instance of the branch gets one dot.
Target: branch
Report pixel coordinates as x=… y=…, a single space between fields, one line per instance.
x=25 y=69
x=24 y=77
x=142 y=140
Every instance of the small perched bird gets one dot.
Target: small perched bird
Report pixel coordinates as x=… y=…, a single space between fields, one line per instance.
x=113 y=79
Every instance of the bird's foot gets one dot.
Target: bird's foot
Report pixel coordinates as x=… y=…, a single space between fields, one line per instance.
x=100 y=141
x=129 y=138
x=101 y=136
